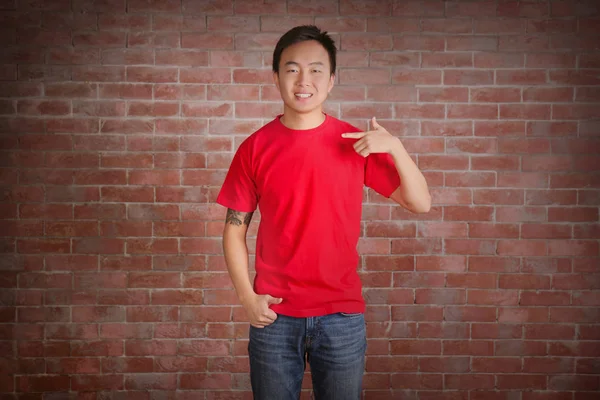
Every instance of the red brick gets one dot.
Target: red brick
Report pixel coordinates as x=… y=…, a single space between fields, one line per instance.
x=36 y=37
x=469 y=381
x=493 y=297
x=126 y=228
x=153 y=212
x=496 y=364
x=71 y=90
x=584 y=366
x=469 y=78
x=98 y=177
x=99 y=108
x=43 y=280
x=28 y=246
x=71 y=332
x=151 y=246
x=423 y=77
x=151 y=314
x=97 y=382
x=102 y=39
x=71 y=193
x=151 y=74
x=123 y=21
x=98 y=314
x=181 y=126
x=580 y=383
x=179 y=263
x=112 y=160
x=45 y=142
x=545 y=231
x=206 y=381
x=71 y=229
x=108 y=143
x=125 y=331
x=573 y=248
x=126 y=57
x=574 y=314
x=98 y=246
x=150 y=6
x=43 y=383
x=201 y=177
x=72 y=125
x=154 y=280
x=472 y=111
x=545 y=298
x=495 y=95
x=43 y=314
x=71 y=263
x=359 y=76
x=207 y=40
x=205 y=109
x=128 y=365
x=177 y=297
x=575 y=281
x=151 y=382
x=230 y=92
x=121 y=297
x=43 y=107
x=200 y=246
x=125 y=91
x=150 y=347
x=153 y=40
x=154 y=177
x=440 y=296
x=204 y=347
x=514 y=381
x=100 y=211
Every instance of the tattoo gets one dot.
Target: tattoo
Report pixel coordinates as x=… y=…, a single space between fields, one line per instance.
x=238 y=218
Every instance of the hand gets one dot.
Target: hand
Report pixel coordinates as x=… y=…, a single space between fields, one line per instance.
x=259 y=313
x=379 y=140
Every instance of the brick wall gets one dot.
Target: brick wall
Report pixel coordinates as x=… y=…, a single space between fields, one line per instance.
x=119 y=120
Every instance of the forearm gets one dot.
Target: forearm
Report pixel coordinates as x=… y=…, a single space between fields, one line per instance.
x=413 y=188
x=236 y=258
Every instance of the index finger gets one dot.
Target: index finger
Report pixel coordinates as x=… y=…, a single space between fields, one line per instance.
x=354 y=135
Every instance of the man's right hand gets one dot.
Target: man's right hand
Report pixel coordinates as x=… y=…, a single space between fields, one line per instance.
x=259 y=313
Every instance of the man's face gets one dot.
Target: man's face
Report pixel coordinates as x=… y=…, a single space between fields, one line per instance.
x=304 y=79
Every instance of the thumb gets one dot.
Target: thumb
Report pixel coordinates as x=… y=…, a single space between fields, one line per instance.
x=273 y=300
x=374 y=123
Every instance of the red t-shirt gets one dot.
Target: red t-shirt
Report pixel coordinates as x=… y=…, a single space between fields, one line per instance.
x=308 y=185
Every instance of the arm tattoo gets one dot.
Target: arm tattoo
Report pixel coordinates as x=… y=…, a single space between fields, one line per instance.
x=238 y=218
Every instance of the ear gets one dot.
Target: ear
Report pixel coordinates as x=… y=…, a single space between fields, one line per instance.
x=331 y=82
x=276 y=79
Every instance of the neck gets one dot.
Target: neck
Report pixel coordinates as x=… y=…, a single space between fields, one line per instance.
x=298 y=121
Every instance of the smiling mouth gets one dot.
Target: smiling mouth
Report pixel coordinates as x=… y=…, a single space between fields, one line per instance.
x=303 y=95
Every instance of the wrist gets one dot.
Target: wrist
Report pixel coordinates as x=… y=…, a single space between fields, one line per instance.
x=246 y=297
x=397 y=150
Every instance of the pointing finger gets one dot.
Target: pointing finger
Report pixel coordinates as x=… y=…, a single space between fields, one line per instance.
x=354 y=135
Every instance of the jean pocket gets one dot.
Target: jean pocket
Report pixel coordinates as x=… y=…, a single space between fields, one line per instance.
x=351 y=314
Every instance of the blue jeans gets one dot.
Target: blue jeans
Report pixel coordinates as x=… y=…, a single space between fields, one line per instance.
x=334 y=345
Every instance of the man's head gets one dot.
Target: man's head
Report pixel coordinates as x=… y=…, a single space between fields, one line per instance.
x=304 y=70
x=302 y=34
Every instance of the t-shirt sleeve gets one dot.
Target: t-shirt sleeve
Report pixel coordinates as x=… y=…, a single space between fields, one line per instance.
x=239 y=189
x=381 y=174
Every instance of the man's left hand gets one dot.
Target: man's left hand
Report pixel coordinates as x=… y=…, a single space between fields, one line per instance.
x=378 y=140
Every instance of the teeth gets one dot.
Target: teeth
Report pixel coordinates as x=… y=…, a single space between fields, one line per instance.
x=303 y=95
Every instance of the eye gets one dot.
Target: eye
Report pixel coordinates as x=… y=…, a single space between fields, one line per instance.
x=292 y=70
x=316 y=70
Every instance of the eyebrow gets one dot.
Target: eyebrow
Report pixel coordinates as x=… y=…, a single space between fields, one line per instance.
x=312 y=63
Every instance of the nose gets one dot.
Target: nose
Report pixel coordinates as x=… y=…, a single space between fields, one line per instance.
x=302 y=79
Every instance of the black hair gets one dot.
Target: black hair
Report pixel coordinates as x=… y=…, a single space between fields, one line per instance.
x=301 y=34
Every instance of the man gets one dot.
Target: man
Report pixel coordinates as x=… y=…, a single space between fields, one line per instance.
x=306 y=171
